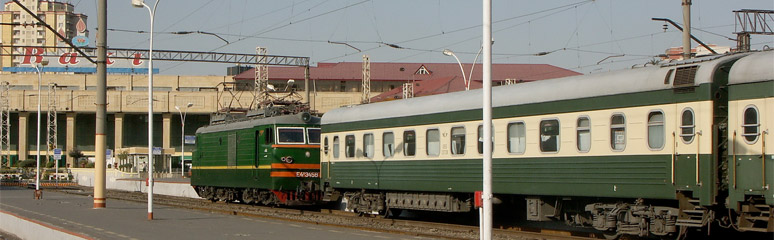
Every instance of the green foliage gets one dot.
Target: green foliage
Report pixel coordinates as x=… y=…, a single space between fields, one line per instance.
x=75 y=154
x=90 y=165
x=50 y=164
x=82 y=163
x=29 y=163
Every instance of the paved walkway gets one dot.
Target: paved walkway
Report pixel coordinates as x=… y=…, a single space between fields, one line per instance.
x=128 y=220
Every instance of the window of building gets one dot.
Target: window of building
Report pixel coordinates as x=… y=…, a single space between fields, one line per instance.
x=549 y=135
x=751 y=124
x=286 y=135
x=516 y=137
x=409 y=143
x=433 y=142
x=336 y=147
x=584 y=134
x=458 y=140
x=349 y=146
x=388 y=144
x=687 y=126
x=422 y=71
x=313 y=134
x=618 y=132
x=481 y=139
x=368 y=145
x=656 y=130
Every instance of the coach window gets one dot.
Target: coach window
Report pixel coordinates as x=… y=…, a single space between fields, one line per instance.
x=549 y=135
x=458 y=140
x=409 y=143
x=349 y=146
x=687 y=126
x=325 y=146
x=656 y=130
x=388 y=144
x=368 y=145
x=481 y=139
x=433 y=142
x=336 y=147
x=751 y=124
x=618 y=132
x=584 y=134
x=516 y=137
x=313 y=135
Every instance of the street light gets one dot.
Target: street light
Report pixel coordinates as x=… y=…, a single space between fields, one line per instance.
x=37 y=141
x=448 y=52
x=182 y=136
x=152 y=12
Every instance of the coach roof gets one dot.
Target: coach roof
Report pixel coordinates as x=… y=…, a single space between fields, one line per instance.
x=575 y=87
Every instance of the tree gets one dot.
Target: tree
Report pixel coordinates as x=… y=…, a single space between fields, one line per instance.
x=76 y=155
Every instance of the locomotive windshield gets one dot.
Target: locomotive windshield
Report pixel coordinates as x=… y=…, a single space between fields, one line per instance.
x=291 y=135
x=314 y=135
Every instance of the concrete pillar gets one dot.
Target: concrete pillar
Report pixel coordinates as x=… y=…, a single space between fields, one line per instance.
x=166 y=130
x=70 y=138
x=23 y=144
x=119 y=131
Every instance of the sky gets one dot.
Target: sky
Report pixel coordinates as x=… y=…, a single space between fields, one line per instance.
x=586 y=36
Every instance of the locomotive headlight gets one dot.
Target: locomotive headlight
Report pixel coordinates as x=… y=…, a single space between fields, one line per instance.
x=307 y=154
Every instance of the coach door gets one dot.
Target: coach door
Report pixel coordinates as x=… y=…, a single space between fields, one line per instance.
x=750 y=139
x=687 y=141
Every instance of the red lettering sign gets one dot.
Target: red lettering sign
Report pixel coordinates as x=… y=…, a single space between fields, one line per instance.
x=30 y=52
x=137 y=61
x=110 y=61
x=68 y=58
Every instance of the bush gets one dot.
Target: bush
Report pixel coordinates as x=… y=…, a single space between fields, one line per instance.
x=90 y=165
x=29 y=163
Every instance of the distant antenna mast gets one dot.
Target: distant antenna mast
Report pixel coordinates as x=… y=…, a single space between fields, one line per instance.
x=261 y=78
x=366 y=80
x=5 y=124
x=408 y=90
x=751 y=21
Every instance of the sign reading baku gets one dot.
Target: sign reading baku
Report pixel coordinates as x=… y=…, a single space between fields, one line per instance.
x=64 y=61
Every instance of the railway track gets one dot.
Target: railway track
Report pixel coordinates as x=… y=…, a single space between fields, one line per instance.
x=341 y=219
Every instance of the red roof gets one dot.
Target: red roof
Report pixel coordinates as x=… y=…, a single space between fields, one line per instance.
x=352 y=71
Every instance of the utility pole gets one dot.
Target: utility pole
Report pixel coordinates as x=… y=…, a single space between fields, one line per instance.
x=51 y=142
x=366 y=80
x=261 y=78
x=751 y=21
x=99 y=133
x=687 y=29
x=5 y=124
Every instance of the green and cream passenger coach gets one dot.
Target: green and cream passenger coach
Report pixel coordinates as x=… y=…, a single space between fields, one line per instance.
x=636 y=151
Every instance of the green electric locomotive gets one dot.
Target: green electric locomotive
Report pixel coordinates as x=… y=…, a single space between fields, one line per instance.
x=267 y=160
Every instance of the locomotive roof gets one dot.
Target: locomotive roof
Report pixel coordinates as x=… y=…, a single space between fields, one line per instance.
x=756 y=67
x=284 y=119
x=575 y=87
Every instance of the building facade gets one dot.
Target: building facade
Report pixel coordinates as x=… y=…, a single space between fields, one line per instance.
x=21 y=29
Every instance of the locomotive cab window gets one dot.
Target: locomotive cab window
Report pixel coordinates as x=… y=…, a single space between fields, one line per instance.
x=687 y=127
x=656 y=130
x=549 y=135
x=481 y=139
x=313 y=135
x=433 y=142
x=751 y=125
x=388 y=144
x=409 y=143
x=458 y=140
x=287 y=135
x=336 y=147
x=584 y=134
x=269 y=137
x=349 y=146
x=516 y=137
x=368 y=145
x=618 y=132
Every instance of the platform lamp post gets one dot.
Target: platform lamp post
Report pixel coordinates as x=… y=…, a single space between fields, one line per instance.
x=152 y=12
x=448 y=52
x=37 y=138
x=182 y=136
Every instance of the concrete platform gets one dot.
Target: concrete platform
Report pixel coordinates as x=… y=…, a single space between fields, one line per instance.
x=67 y=216
x=180 y=187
